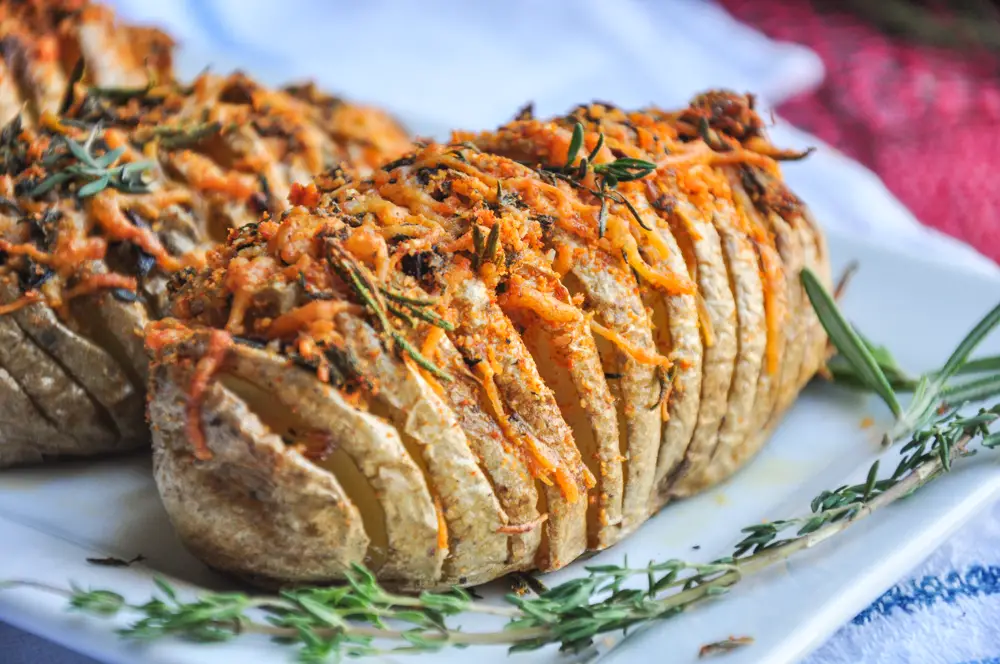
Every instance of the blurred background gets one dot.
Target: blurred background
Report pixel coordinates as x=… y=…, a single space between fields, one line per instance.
x=908 y=88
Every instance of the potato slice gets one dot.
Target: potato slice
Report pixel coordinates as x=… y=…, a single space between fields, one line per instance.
x=111 y=56
x=56 y=394
x=92 y=367
x=431 y=432
x=612 y=295
x=567 y=359
x=585 y=413
x=240 y=510
x=406 y=525
x=696 y=234
x=512 y=482
x=569 y=363
x=25 y=435
x=793 y=256
x=677 y=335
x=119 y=326
x=789 y=245
x=40 y=79
x=776 y=299
x=482 y=326
x=748 y=292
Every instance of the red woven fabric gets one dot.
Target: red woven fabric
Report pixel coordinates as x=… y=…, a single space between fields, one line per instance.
x=926 y=120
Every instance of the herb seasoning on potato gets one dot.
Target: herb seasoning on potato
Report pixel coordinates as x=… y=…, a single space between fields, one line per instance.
x=487 y=356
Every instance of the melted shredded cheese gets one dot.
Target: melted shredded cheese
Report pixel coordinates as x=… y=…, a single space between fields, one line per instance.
x=640 y=355
x=218 y=346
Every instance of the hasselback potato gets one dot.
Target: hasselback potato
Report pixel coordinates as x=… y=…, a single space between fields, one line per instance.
x=112 y=176
x=488 y=356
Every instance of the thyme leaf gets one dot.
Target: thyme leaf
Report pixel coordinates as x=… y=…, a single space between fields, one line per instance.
x=95 y=173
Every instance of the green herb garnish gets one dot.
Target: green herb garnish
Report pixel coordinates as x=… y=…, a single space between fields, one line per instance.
x=96 y=173
x=374 y=298
x=607 y=176
x=860 y=363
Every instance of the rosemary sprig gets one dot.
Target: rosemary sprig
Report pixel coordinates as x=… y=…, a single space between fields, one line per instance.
x=606 y=176
x=863 y=364
x=850 y=344
x=95 y=172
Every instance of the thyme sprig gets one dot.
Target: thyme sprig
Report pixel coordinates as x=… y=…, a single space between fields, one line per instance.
x=364 y=618
x=863 y=364
x=606 y=176
x=383 y=302
x=96 y=173
x=929 y=453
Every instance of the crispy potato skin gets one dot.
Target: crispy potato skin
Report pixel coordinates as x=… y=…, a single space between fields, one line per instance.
x=483 y=310
x=243 y=510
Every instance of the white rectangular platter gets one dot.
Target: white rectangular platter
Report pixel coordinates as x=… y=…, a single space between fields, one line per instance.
x=52 y=519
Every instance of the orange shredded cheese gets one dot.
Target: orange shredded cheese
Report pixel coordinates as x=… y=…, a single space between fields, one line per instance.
x=700 y=153
x=521 y=528
x=107 y=210
x=563 y=262
x=707 y=331
x=162 y=334
x=204 y=175
x=96 y=282
x=430 y=345
x=306 y=196
x=546 y=306
x=28 y=298
x=29 y=250
x=773 y=278
x=442 y=532
x=302 y=318
x=640 y=355
x=621 y=238
x=218 y=346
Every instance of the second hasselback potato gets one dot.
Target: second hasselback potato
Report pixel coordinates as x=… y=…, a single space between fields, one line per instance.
x=488 y=356
x=112 y=176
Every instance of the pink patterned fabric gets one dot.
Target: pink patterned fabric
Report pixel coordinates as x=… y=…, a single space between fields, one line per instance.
x=927 y=120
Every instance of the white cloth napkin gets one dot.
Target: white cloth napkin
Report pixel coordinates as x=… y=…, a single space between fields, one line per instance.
x=441 y=64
